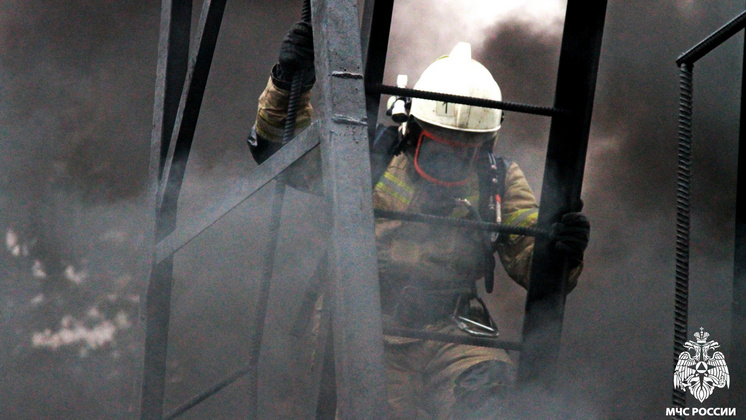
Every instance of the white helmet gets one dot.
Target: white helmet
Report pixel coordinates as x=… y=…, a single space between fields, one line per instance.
x=458 y=74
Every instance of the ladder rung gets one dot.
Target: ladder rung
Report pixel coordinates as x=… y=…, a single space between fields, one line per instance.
x=713 y=40
x=465 y=223
x=453 y=338
x=466 y=100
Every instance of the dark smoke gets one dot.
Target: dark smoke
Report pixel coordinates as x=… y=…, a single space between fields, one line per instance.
x=76 y=112
x=618 y=326
x=75 y=87
x=76 y=94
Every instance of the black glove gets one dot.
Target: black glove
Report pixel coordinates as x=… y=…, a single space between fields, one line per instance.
x=571 y=236
x=296 y=55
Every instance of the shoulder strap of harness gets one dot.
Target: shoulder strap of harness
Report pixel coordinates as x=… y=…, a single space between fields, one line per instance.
x=492 y=172
x=384 y=146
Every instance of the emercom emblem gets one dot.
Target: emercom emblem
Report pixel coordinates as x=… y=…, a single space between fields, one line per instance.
x=698 y=371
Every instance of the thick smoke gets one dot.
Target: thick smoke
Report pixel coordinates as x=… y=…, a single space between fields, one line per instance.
x=76 y=84
x=76 y=112
x=618 y=327
x=625 y=299
x=75 y=115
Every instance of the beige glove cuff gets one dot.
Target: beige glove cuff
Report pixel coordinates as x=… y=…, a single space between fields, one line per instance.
x=273 y=108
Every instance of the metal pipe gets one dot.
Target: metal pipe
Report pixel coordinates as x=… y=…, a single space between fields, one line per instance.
x=682 y=220
x=374 y=40
x=713 y=41
x=737 y=392
x=466 y=100
x=561 y=187
x=465 y=223
x=453 y=338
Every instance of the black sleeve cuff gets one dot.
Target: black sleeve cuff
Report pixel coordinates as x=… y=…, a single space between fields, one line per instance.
x=261 y=148
x=283 y=80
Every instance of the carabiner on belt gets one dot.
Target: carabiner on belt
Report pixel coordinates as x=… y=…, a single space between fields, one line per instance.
x=465 y=321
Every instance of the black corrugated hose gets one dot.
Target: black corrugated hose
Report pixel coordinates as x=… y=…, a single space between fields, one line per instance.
x=255 y=342
x=683 y=222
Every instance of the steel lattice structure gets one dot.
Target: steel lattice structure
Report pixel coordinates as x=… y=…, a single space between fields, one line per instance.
x=350 y=82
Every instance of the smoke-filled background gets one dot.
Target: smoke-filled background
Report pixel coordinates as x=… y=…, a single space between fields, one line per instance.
x=76 y=99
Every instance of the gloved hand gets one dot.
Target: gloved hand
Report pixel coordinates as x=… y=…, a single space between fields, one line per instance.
x=571 y=236
x=296 y=54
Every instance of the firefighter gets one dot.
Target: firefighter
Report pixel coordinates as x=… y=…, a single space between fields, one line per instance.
x=428 y=273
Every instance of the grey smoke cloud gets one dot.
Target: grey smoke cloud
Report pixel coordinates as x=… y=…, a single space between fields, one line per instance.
x=625 y=298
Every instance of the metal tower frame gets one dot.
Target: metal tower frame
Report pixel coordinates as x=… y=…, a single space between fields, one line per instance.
x=737 y=394
x=341 y=130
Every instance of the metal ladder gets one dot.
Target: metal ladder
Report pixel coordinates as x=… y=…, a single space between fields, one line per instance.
x=686 y=61
x=349 y=101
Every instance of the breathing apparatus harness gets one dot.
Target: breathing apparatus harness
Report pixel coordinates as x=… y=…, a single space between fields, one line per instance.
x=470 y=313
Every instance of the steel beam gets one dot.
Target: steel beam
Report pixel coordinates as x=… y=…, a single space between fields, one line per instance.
x=356 y=316
x=737 y=392
x=175 y=21
x=173 y=54
x=374 y=40
x=173 y=58
x=262 y=175
x=563 y=179
x=157 y=316
x=189 y=106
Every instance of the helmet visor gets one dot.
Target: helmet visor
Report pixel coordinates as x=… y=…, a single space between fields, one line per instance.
x=444 y=161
